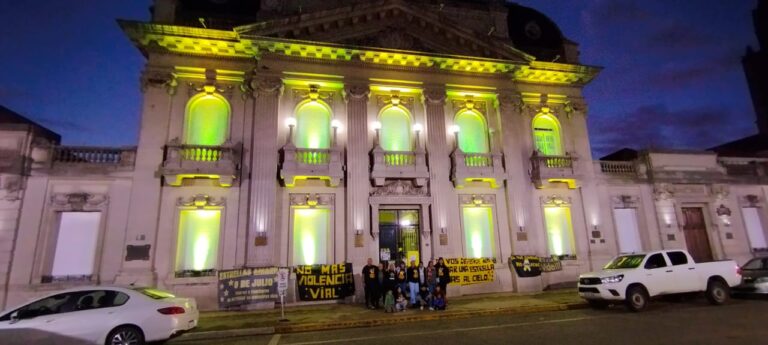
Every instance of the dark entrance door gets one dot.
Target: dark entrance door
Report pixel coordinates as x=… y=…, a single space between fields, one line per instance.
x=695 y=231
x=399 y=235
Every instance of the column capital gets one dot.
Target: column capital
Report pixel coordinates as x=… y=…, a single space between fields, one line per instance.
x=509 y=99
x=356 y=91
x=158 y=77
x=434 y=95
x=267 y=85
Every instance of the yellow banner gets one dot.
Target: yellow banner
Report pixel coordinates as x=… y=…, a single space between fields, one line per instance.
x=465 y=271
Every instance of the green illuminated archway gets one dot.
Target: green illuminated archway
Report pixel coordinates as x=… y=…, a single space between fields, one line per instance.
x=473 y=133
x=313 y=126
x=546 y=135
x=395 y=129
x=207 y=120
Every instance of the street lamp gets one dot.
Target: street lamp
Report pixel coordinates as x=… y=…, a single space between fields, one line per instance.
x=417 y=127
x=335 y=124
x=376 y=125
x=290 y=122
x=455 y=130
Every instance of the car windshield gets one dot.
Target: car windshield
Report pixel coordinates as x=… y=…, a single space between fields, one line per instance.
x=625 y=261
x=755 y=264
x=154 y=293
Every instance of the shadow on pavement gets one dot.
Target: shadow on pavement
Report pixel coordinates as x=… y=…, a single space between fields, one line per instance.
x=26 y=336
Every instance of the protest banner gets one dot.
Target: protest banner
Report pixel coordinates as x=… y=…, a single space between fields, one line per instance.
x=466 y=271
x=526 y=265
x=242 y=286
x=324 y=282
x=550 y=264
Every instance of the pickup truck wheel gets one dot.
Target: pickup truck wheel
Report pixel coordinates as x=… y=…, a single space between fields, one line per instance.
x=637 y=298
x=717 y=292
x=597 y=304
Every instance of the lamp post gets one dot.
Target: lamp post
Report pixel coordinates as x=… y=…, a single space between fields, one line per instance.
x=335 y=124
x=455 y=130
x=417 y=127
x=290 y=122
x=376 y=127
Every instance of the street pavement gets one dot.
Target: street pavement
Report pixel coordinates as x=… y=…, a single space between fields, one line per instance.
x=674 y=323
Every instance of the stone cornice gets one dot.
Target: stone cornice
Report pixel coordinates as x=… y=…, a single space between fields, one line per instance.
x=222 y=44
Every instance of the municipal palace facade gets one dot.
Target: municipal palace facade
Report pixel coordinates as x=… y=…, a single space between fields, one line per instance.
x=284 y=133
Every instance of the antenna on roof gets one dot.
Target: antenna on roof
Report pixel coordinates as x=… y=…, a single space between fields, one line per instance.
x=493 y=28
x=556 y=58
x=202 y=22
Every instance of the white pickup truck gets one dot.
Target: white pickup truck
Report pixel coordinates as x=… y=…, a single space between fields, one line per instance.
x=635 y=278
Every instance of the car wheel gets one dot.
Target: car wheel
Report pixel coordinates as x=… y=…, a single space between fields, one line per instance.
x=717 y=292
x=597 y=304
x=637 y=298
x=125 y=335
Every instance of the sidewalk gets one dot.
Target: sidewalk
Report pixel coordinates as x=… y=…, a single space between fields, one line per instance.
x=334 y=316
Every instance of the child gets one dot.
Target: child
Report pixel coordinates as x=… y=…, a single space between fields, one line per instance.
x=389 y=302
x=401 y=302
x=438 y=300
x=425 y=299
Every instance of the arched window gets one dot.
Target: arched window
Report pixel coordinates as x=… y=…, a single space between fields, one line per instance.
x=395 y=129
x=313 y=126
x=546 y=135
x=473 y=134
x=207 y=120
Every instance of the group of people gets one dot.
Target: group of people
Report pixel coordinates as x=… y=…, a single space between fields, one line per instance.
x=397 y=287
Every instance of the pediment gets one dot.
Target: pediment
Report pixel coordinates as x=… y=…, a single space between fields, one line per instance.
x=394 y=25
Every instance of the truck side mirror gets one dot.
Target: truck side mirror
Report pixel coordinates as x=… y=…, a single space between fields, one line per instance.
x=15 y=317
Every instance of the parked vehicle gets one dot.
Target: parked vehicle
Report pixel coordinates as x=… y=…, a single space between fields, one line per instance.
x=104 y=315
x=635 y=278
x=754 y=277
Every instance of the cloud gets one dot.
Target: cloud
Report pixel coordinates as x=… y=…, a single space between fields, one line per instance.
x=609 y=12
x=64 y=125
x=674 y=37
x=654 y=125
x=676 y=75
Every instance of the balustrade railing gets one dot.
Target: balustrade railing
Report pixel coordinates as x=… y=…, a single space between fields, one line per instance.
x=93 y=155
x=312 y=156
x=554 y=162
x=744 y=166
x=399 y=158
x=200 y=153
x=478 y=160
x=618 y=167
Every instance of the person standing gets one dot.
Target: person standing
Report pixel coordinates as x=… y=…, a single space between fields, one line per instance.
x=390 y=278
x=430 y=276
x=414 y=277
x=380 y=291
x=443 y=275
x=371 y=280
x=402 y=278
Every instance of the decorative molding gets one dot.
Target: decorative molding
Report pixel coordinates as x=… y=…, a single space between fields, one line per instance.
x=555 y=200
x=159 y=78
x=79 y=201
x=313 y=93
x=312 y=199
x=200 y=201
x=477 y=199
x=509 y=100
x=750 y=200
x=723 y=210
x=356 y=91
x=470 y=103
x=625 y=201
x=434 y=95
x=720 y=191
x=267 y=86
x=663 y=191
x=400 y=188
x=395 y=99
x=196 y=88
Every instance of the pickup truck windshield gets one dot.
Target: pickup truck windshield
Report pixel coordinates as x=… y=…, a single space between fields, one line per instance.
x=625 y=261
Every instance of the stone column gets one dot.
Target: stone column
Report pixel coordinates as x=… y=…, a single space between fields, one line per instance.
x=358 y=181
x=158 y=86
x=264 y=203
x=444 y=203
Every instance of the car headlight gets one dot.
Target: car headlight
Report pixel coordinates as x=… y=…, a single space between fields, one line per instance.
x=612 y=279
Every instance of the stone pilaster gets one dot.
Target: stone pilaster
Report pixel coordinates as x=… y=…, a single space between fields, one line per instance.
x=358 y=185
x=158 y=87
x=264 y=161
x=444 y=203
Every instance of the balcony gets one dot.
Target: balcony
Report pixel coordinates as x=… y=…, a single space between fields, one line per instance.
x=190 y=161
x=321 y=164
x=399 y=164
x=552 y=168
x=88 y=159
x=476 y=167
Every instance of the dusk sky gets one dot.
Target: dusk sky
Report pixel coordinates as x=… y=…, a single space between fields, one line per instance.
x=672 y=73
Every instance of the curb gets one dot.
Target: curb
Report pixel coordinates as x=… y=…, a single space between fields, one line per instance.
x=322 y=326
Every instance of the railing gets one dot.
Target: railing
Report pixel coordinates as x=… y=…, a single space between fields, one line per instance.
x=200 y=153
x=478 y=160
x=313 y=156
x=554 y=162
x=93 y=155
x=744 y=166
x=618 y=167
x=47 y=279
x=399 y=158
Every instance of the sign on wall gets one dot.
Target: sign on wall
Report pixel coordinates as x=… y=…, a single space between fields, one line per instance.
x=244 y=286
x=549 y=264
x=324 y=282
x=526 y=265
x=466 y=271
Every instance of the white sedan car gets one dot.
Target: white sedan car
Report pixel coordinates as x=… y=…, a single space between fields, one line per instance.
x=101 y=315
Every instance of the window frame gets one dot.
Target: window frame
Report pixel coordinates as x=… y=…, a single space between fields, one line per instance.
x=297 y=130
x=188 y=121
x=560 y=144
x=329 y=250
x=409 y=135
x=484 y=122
x=173 y=262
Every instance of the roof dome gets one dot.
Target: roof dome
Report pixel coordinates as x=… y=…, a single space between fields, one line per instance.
x=534 y=33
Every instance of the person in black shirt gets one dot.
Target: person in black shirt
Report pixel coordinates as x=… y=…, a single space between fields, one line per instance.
x=443 y=275
x=371 y=280
x=390 y=278
x=413 y=282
